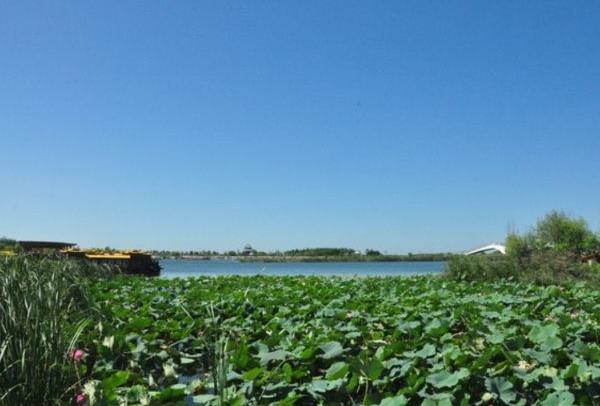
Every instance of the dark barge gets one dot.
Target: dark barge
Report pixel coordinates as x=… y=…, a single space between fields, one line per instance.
x=129 y=262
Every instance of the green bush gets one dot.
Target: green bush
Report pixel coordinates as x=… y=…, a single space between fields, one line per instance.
x=545 y=268
x=553 y=252
x=557 y=268
x=563 y=233
x=482 y=268
x=39 y=299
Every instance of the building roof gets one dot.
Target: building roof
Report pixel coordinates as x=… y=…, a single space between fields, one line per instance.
x=38 y=245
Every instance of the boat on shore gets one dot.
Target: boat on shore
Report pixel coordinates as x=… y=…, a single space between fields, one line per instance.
x=134 y=262
x=129 y=262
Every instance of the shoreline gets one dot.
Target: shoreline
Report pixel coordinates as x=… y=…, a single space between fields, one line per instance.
x=313 y=259
x=342 y=259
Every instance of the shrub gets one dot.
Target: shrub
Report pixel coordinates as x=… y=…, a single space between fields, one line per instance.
x=552 y=267
x=519 y=246
x=545 y=268
x=481 y=268
x=566 y=234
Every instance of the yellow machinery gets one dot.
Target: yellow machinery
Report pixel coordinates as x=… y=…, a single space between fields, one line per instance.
x=130 y=262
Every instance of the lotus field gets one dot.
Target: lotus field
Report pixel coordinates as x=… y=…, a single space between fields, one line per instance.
x=315 y=340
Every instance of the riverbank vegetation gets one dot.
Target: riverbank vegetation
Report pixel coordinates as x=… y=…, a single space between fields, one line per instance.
x=558 y=250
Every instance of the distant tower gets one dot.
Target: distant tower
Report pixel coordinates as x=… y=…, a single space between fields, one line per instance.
x=248 y=250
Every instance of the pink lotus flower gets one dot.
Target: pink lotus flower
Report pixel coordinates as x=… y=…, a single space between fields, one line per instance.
x=80 y=399
x=76 y=354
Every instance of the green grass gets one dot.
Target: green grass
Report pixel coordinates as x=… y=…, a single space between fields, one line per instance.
x=315 y=340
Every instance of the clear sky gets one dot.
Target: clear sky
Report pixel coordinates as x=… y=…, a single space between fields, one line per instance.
x=402 y=126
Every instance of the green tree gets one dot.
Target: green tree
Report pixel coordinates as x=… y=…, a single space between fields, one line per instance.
x=563 y=233
x=519 y=246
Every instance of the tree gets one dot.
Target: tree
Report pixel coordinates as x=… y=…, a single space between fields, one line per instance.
x=563 y=233
x=555 y=232
x=519 y=246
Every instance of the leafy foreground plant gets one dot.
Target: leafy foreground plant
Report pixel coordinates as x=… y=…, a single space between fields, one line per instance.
x=312 y=340
x=39 y=299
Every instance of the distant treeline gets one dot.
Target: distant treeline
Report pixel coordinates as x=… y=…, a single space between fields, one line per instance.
x=435 y=256
x=309 y=255
x=178 y=254
x=349 y=258
x=320 y=252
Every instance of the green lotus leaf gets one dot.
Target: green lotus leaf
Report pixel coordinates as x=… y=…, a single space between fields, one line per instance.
x=427 y=351
x=277 y=355
x=117 y=379
x=205 y=400
x=331 y=349
x=373 y=369
x=252 y=374
x=562 y=398
x=394 y=401
x=337 y=370
x=445 y=379
x=539 y=333
x=139 y=323
x=501 y=389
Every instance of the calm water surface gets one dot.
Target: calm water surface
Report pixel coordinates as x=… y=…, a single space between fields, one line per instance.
x=174 y=268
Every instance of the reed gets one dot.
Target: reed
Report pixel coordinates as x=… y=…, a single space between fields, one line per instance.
x=217 y=342
x=39 y=300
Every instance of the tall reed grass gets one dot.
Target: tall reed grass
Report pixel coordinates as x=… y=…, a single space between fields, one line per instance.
x=43 y=303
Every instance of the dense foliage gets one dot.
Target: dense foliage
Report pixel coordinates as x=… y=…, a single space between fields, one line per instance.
x=543 y=268
x=310 y=340
x=41 y=314
x=555 y=232
x=558 y=250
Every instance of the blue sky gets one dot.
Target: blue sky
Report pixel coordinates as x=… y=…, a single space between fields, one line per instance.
x=402 y=126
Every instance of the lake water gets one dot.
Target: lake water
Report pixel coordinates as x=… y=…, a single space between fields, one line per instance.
x=174 y=268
